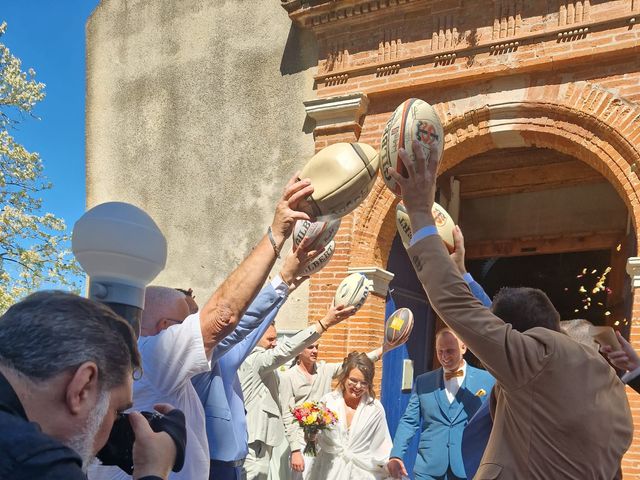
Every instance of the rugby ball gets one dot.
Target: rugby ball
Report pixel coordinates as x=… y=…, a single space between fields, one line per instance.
x=414 y=119
x=342 y=176
x=398 y=327
x=318 y=233
x=319 y=260
x=444 y=224
x=353 y=291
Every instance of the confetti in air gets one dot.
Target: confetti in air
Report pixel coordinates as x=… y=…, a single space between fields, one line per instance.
x=598 y=289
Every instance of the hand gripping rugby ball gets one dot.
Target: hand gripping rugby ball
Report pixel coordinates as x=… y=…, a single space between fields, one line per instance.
x=398 y=327
x=320 y=260
x=444 y=224
x=353 y=291
x=342 y=175
x=318 y=233
x=414 y=119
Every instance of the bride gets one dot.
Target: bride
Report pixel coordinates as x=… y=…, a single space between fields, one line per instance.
x=358 y=446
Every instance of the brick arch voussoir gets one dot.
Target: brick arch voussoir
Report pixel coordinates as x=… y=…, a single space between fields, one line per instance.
x=602 y=145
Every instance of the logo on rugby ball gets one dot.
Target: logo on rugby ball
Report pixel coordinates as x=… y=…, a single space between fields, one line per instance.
x=426 y=133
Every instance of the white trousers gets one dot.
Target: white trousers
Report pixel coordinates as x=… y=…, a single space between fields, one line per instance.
x=257 y=462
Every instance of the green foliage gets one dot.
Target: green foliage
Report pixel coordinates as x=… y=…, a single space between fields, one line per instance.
x=33 y=245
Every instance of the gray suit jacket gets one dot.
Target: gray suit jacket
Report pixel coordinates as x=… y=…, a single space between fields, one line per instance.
x=560 y=411
x=259 y=382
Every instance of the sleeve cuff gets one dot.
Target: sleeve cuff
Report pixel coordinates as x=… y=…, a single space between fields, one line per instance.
x=423 y=233
x=281 y=288
x=627 y=377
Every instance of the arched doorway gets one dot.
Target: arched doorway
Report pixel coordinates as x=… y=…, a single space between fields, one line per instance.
x=531 y=217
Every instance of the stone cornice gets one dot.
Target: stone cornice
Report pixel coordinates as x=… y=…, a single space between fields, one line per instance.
x=378 y=276
x=342 y=109
x=310 y=13
x=633 y=269
x=448 y=56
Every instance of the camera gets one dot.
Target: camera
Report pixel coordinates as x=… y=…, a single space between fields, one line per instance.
x=118 y=450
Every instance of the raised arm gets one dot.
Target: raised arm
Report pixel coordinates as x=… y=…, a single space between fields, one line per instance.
x=458 y=258
x=273 y=358
x=226 y=306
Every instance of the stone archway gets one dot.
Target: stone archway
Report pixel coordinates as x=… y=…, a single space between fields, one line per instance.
x=605 y=136
x=588 y=123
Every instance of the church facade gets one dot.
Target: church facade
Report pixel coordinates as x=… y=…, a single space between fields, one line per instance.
x=198 y=113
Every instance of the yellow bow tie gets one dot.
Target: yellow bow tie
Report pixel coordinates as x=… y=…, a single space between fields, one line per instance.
x=450 y=375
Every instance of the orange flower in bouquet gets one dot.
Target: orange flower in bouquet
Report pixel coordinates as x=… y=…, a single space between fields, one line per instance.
x=313 y=417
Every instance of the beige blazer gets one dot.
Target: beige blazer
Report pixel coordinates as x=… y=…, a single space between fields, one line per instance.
x=560 y=411
x=259 y=383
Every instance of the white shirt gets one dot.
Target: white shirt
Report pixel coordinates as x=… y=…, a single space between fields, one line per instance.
x=169 y=360
x=452 y=386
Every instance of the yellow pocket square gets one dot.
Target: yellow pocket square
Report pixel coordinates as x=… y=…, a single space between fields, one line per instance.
x=481 y=393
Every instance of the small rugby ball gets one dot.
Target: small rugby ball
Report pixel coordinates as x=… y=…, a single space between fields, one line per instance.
x=444 y=224
x=342 y=176
x=318 y=233
x=398 y=327
x=353 y=291
x=319 y=260
x=414 y=119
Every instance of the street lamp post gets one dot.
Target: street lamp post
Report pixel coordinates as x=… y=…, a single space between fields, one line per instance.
x=122 y=250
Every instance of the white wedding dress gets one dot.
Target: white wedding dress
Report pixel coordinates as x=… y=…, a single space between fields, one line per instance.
x=359 y=452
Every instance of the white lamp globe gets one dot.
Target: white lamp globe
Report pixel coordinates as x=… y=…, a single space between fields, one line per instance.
x=122 y=250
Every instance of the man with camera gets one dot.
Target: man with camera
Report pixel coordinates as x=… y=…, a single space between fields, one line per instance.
x=66 y=371
x=176 y=346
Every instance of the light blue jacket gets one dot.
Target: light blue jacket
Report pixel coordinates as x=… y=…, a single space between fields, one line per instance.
x=219 y=390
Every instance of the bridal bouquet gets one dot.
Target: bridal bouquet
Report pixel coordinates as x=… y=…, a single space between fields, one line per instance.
x=313 y=417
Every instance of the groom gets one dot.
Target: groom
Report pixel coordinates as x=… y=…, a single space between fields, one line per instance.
x=441 y=404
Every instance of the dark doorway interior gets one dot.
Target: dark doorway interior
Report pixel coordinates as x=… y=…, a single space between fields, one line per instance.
x=576 y=283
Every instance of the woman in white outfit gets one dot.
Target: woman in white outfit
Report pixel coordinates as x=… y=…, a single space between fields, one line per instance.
x=358 y=446
x=307 y=380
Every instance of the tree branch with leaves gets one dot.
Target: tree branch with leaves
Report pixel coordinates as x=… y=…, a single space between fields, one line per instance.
x=34 y=245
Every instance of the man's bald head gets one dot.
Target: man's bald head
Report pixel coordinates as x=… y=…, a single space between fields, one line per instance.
x=163 y=307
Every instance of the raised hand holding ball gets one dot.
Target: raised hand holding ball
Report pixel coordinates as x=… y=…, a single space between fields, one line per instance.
x=416 y=120
x=444 y=224
x=342 y=176
x=353 y=291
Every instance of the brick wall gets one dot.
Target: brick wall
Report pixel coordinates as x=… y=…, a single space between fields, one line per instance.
x=560 y=75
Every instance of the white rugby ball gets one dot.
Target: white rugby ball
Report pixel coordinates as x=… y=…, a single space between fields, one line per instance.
x=342 y=176
x=414 y=119
x=353 y=291
x=444 y=224
x=318 y=233
x=320 y=260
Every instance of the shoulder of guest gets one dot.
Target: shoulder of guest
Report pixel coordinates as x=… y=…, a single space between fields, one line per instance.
x=24 y=445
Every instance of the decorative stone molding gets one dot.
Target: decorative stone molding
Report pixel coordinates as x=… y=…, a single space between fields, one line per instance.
x=334 y=111
x=633 y=269
x=378 y=276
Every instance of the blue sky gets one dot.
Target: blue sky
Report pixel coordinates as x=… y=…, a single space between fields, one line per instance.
x=49 y=36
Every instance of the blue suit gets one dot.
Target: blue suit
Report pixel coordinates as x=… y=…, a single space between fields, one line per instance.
x=219 y=389
x=441 y=423
x=475 y=438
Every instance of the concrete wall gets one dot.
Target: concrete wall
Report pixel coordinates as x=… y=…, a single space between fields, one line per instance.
x=195 y=114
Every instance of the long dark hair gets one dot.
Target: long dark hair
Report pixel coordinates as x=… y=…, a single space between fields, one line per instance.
x=364 y=364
